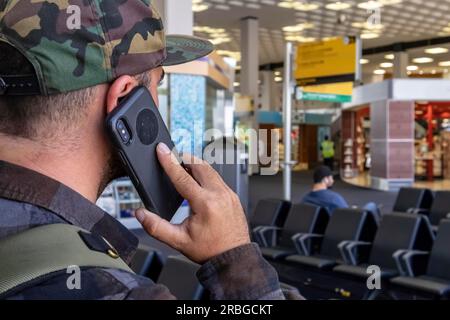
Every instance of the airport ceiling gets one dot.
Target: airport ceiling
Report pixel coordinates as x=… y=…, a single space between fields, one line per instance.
x=302 y=21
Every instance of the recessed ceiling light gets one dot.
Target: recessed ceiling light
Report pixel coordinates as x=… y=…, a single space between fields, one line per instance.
x=370 y=5
x=278 y=79
x=390 y=56
x=379 y=71
x=199 y=7
x=368 y=26
x=444 y=64
x=218 y=41
x=299 y=39
x=364 y=61
x=437 y=50
x=423 y=60
x=286 y=4
x=390 y=2
x=412 y=68
x=386 y=65
x=301 y=6
x=338 y=6
x=298 y=27
x=369 y=35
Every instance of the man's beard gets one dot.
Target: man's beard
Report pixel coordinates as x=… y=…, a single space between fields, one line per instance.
x=113 y=170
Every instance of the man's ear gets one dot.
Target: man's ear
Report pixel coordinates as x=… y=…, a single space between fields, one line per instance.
x=119 y=89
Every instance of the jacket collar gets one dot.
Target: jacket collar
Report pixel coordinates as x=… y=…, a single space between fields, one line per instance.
x=24 y=185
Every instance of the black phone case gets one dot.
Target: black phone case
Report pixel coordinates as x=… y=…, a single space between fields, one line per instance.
x=147 y=129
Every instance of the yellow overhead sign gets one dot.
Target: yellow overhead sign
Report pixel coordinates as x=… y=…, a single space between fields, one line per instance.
x=342 y=88
x=327 y=61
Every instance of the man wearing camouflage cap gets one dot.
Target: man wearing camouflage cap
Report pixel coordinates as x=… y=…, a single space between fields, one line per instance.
x=57 y=84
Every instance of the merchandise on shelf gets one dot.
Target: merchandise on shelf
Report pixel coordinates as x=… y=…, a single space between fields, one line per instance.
x=348 y=159
x=120 y=199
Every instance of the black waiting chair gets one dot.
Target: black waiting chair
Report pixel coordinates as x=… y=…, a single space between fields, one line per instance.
x=435 y=281
x=411 y=199
x=179 y=276
x=344 y=225
x=440 y=209
x=397 y=231
x=147 y=262
x=268 y=212
x=302 y=218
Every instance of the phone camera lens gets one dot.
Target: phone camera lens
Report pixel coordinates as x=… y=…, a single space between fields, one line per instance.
x=123 y=131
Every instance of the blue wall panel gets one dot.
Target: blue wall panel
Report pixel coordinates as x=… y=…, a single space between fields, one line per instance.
x=187 y=112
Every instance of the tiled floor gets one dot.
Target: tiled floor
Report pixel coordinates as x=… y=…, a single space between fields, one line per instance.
x=363 y=180
x=263 y=187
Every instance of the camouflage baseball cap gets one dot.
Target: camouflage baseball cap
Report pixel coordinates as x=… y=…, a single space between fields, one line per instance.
x=113 y=38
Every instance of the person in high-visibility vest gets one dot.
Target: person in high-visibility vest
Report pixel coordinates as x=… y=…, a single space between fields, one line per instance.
x=327 y=148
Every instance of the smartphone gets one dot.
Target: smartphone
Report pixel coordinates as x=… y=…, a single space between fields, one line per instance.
x=136 y=128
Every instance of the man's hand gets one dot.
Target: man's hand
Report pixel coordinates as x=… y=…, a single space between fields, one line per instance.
x=217 y=223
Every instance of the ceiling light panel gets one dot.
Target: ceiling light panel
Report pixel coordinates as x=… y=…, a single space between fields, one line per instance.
x=401 y=21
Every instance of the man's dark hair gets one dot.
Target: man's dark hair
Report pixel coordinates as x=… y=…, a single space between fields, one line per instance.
x=327 y=138
x=36 y=117
x=321 y=173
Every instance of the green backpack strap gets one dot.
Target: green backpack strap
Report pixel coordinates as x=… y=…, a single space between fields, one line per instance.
x=41 y=251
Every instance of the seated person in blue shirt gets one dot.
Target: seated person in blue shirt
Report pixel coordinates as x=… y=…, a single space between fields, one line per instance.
x=321 y=195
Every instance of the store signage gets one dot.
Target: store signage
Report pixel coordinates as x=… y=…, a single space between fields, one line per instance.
x=326 y=61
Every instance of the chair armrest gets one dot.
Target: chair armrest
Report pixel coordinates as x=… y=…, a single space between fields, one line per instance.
x=302 y=242
x=447 y=216
x=411 y=263
x=352 y=251
x=256 y=235
x=269 y=236
x=418 y=211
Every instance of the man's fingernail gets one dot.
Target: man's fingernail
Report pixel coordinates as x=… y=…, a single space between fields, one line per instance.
x=140 y=215
x=163 y=148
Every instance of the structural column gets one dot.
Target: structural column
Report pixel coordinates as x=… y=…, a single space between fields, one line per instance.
x=401 y=61
x=250 y=57
x=268 y=91
x=250 y=72
x=177 y=15
x=392 y=144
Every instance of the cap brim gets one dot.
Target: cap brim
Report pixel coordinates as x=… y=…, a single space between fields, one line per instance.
x=182 y=49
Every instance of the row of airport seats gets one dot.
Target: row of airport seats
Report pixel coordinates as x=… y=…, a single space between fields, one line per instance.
x=312 y=249
x=435 y=205
x=177 y=273
x=328 y=257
